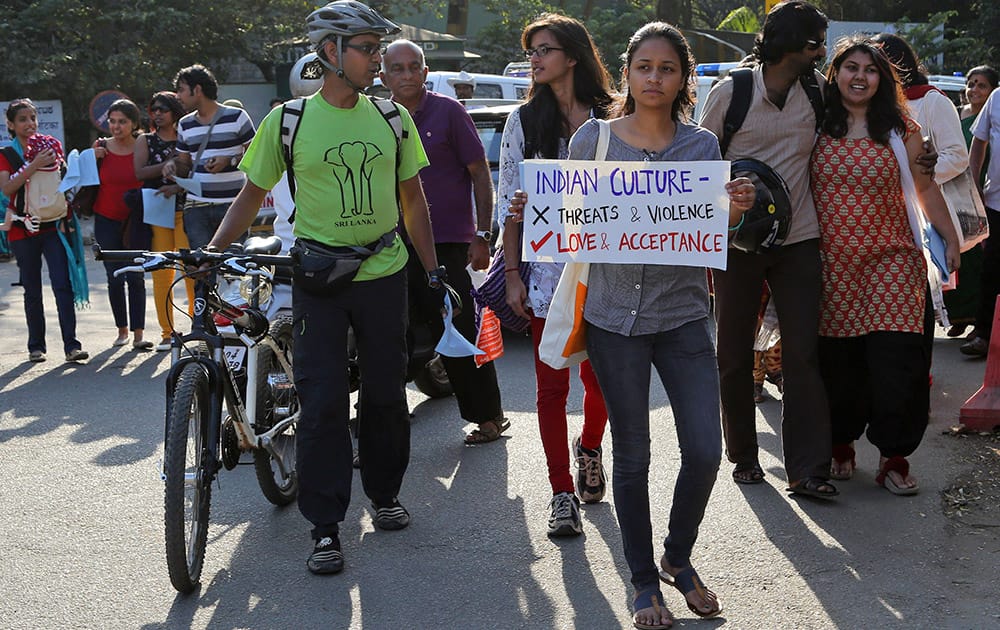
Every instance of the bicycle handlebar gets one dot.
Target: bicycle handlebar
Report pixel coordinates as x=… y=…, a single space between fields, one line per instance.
x=151 y=261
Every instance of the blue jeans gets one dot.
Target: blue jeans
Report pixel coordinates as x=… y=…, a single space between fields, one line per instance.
x=376 y=310
x=108 y=234
x=685 y=360
x=29 y=252
x=201 y=222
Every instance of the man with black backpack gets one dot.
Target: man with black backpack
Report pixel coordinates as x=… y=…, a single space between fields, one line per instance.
x=778 y=128
x=350 y=161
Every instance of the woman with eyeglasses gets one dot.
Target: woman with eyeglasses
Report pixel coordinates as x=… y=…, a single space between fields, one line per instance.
x=152 y=150
x=118 y=176
x=570 y=85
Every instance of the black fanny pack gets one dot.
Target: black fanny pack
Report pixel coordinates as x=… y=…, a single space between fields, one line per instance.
x=324 y=270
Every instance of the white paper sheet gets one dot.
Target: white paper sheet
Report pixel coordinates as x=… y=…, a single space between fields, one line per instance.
x=189 y=184
x=81 y=170
x=157 y=209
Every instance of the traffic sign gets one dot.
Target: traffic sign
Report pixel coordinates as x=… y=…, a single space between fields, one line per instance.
x=99 y=105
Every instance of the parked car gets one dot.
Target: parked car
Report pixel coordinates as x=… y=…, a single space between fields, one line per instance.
x=488 y=86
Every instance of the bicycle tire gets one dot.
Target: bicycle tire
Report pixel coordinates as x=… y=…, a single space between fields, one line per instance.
x=277 y=489
x=188 y=493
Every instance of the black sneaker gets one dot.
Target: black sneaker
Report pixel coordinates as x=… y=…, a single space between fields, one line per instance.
x=591 y=480
x=565 y=517
x=392 y=516
x=326 y=557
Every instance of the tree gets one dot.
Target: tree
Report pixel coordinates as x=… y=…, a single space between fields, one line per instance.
x=742 y=19
x=76 y=49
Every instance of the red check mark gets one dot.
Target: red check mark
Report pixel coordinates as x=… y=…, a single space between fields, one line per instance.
x=537 y=245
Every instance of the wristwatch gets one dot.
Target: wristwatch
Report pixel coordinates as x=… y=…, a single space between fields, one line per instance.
x=486 y=235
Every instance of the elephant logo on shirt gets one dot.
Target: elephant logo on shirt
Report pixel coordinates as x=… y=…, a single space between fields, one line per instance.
x=352 y=164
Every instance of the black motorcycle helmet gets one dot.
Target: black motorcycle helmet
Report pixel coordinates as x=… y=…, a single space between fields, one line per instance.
x=766 y=224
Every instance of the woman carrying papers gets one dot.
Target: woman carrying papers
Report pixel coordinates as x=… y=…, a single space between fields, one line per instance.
x=152 y=150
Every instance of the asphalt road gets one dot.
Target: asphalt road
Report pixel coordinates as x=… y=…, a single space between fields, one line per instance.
x=82 y=522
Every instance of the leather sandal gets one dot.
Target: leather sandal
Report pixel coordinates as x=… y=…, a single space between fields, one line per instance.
x=815 y=487
x=748 y=473
x=489 y=431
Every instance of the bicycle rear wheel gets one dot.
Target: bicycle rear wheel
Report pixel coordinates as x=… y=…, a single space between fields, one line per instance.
x=276 y=401
x=188 y=487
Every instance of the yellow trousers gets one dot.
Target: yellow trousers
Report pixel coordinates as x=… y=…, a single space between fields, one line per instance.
x=165 y=239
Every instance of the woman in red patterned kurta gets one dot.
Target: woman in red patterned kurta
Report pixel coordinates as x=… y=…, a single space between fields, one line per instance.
x=874 y=299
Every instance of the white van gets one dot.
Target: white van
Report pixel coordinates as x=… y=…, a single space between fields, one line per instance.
x=488 y=86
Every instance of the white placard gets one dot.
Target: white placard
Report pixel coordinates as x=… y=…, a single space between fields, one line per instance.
x=653 y=213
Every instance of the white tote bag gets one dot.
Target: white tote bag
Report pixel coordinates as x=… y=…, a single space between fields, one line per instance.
x=564 y=338
x=966 y=209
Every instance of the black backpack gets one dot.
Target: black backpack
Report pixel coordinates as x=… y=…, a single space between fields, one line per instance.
x=743 y=93
x=291 y=116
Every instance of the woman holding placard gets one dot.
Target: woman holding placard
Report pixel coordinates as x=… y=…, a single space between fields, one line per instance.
x=657 y=316
x=152 y=150
x=570 y=86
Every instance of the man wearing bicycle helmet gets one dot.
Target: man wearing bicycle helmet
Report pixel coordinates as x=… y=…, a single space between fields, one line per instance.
x=348 y=171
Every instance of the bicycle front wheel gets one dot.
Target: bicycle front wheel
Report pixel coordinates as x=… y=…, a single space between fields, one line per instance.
x=277 y=400
x=188 y=485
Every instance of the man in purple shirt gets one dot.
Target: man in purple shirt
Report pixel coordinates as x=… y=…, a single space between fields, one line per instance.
x=458 y=173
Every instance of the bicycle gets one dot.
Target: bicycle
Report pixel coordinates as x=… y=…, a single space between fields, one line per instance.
x=197 y=441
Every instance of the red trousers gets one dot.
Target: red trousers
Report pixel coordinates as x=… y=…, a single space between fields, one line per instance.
x=552 y=392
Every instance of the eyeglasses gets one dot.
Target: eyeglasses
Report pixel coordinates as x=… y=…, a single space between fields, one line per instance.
x=812 y=44
x=369 y=49
x=541 y=51
x=163 y=109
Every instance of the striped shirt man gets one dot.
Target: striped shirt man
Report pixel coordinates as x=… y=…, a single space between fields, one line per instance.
x=232 y=132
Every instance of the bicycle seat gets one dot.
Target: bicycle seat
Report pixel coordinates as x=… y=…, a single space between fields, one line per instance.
x=262 y=245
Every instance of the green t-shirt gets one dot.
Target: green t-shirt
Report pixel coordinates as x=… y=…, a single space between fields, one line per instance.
x=345 y=175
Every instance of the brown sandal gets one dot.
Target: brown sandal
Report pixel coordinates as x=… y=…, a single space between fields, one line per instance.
x=488 y=431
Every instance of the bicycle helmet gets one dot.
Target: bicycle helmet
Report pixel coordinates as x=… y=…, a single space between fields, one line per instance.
x=340 y=19
x=765 y=225
x=306 y=77
x=346 y=18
